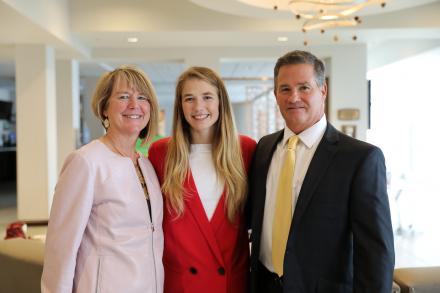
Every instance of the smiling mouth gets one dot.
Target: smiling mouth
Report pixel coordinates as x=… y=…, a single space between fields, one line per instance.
x=133 y=116
x=295 y=108
x=200 y=116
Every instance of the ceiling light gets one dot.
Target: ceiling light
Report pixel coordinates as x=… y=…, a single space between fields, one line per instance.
x=132 y=40
x=323 y=14
x=283 y=39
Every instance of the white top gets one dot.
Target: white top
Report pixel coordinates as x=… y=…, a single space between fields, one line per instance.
x=307 y=144
x=209 y=186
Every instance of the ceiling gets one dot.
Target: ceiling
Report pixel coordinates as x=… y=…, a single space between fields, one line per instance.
x=170 y=31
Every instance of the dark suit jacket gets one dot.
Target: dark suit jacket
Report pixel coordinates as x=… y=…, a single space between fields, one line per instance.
x=341 y=238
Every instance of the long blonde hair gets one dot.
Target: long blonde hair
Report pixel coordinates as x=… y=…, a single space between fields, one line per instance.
x=226 y=150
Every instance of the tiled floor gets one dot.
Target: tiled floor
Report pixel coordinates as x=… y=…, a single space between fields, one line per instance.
x=413 y=249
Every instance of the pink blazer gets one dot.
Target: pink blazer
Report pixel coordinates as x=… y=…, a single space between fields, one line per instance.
x=201 y=255
x=100 y=237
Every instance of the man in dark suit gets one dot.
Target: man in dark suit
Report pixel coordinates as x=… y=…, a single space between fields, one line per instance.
x=339 y=236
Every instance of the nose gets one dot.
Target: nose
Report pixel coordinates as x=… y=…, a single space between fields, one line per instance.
x=198 y=104
x=294 y=96
x=132 y=102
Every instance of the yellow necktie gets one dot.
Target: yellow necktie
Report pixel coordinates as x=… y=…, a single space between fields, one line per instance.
x=283 y=207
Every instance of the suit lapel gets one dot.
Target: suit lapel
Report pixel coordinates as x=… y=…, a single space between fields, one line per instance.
x=268 y=150
x=260 y=167
x=195 y=207
x=318 y=166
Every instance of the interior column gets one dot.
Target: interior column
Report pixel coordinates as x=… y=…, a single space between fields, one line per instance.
x=36 y=130
x=67 y=102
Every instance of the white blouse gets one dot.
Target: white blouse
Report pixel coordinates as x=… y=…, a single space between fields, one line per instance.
x=209 y=186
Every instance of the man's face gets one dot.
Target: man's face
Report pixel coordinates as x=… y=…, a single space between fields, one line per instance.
x=300 y=99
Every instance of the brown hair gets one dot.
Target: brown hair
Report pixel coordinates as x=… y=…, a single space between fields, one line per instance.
x=301 y=57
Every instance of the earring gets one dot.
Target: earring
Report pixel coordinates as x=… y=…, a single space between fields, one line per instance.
x=106 y=123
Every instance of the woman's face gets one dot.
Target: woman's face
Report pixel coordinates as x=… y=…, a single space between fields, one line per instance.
x=200 y=103
x=128 y=110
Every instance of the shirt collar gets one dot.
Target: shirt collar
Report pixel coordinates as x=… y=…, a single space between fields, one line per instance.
x=311 y=135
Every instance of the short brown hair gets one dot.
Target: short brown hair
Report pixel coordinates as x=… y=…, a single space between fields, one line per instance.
x=135 y=78
x=302 y=57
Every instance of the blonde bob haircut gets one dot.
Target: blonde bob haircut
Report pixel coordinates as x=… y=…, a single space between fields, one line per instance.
x=226 y=150
x=135 y=78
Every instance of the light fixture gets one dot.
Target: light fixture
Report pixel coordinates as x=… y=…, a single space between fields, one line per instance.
x=325 y=14
x=282 y=39
x=132 y=40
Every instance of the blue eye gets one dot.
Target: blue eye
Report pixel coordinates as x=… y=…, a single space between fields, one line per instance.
x=142 y=98
x=123 y=97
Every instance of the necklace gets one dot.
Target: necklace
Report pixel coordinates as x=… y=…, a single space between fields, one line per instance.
x=136 y=166
x=133 y=157
x=141 y=180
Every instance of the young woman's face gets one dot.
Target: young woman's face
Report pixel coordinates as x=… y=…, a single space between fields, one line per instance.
x=200 y=103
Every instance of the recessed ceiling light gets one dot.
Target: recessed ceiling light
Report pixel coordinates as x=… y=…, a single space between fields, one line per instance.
x=132 y=40
x=283 y=39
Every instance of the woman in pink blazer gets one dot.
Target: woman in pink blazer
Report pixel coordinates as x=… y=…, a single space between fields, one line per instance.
x=105 y=227
x=203 y=172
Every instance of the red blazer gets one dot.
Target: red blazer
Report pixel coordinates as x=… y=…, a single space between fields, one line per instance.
x=202 y=255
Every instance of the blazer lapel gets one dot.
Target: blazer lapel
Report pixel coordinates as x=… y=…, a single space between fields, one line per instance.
x=219 y=215
x=195 y=207
x=269 y=148
x=317 y=168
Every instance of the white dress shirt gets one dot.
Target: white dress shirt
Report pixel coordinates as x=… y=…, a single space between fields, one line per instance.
x=209 y=185
x=307 y=144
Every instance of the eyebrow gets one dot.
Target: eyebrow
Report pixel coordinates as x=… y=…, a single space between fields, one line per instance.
x=283 y=85
x=129 y=93
x=299 y=83
x=203 y=94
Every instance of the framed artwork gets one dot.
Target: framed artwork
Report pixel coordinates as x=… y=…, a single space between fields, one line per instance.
x=349 y=130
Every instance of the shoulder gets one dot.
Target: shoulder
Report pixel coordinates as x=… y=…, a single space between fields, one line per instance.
x=247 y=144
x=269 y=140
x=83 y=163
x=356 y=148
x=161 y=144
x=157 y=153
x=159 y=147
x=87 y=154
x=356 y=144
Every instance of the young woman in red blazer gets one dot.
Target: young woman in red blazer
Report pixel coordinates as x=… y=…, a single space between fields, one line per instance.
x=203 y=172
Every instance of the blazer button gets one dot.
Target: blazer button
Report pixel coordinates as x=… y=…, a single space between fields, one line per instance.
x=221 y=271
x=193 y=270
